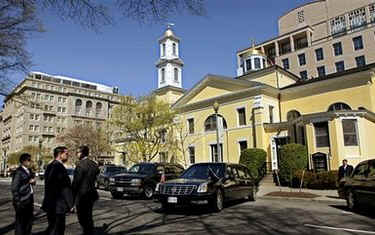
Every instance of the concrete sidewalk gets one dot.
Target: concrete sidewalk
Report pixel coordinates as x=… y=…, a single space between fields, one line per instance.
x=266 y=186
x=324 y=195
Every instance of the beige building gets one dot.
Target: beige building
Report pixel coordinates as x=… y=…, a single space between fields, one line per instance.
x=318 y=38
x=42 y=106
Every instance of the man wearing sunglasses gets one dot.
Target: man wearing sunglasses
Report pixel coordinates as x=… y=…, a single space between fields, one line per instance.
x=58 y=199
x=23 y=198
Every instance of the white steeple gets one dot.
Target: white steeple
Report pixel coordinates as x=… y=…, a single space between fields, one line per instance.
x=169 y=65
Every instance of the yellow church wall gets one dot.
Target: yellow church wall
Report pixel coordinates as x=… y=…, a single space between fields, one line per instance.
x=269 y=79
x=355 y=97
x=208 y=92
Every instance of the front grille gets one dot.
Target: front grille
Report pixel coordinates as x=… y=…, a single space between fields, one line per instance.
x=177 y=189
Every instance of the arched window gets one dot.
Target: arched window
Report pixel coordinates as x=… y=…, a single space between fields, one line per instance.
x=210 y=123
x=338 y=107
x=162 y=75
x=362 y=108
x=176 y=74
x=163 y=49
x=174 y=49
x=78 y=105
x=98 y=108
x=88 y=107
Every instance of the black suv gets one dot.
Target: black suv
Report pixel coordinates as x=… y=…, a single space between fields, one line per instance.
x=208 y=183
x=359 y=188
x=142 y=178
x=106 y=172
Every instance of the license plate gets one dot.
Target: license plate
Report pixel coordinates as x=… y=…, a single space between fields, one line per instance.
x=119 y=189
x=172 y=199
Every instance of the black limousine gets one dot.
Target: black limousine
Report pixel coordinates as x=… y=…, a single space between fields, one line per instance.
x=208 y=183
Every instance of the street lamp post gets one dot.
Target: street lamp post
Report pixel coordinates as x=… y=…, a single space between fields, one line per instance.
x=218 y=150
x=39 y=162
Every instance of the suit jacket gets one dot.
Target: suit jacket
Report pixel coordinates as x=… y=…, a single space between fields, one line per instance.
x=84 y=179
x=21 y=188
x=345 y=172
x=58 y=197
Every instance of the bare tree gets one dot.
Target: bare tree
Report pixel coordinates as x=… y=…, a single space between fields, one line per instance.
x=95 y=138
x=17 y=20
x=146 y=11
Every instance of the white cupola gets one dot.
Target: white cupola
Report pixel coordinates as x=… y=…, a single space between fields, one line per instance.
x=169 y=64
x=252 y=60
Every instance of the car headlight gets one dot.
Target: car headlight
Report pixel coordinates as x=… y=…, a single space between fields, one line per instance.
x=202 y=188
x=112 y=180
x=136 y=182
x=157 y=187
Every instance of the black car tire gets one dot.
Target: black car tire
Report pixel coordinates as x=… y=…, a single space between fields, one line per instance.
x=218 y=201
x=253 y=195
x=148 y=191
x=116 y=195
x=351 y=200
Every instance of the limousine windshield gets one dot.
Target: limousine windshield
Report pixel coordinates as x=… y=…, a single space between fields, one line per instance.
x=202 y=171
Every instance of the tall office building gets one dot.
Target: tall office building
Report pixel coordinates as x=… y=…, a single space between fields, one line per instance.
x=318 y=38
x=43 y=106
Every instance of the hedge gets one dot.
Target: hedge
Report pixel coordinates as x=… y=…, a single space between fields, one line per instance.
x=312 y=180
x=293 y=158
x=254 y=159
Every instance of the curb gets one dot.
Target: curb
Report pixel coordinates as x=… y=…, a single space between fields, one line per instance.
x=317 y=199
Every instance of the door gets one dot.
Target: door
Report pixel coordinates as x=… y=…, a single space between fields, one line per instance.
x=244 y=182
x=359 y=182
x=369 y=186
x=229 y=183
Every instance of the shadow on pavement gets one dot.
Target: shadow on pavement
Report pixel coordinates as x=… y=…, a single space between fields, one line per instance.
x=364 y=211
x=7 y=228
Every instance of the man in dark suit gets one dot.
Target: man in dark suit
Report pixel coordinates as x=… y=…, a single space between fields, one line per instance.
x=58 y=199
x=84 y=191
x=23 y=198
x=345 y=169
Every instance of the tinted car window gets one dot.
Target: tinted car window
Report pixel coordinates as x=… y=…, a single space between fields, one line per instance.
x=142 y=169
x=241 y=172
x=114 y=170
x=234 y=172
x=360 y=170
x=201 y=171
x=371 y=169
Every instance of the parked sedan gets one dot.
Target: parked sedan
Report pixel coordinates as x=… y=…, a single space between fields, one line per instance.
x=107 y=172
x=208 y=183
x=359 y=189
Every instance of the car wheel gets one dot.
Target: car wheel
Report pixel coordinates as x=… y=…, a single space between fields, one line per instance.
x=148 y=191
x=218 y=202
x=253 y=195
x=351 y=200
x=116 y=195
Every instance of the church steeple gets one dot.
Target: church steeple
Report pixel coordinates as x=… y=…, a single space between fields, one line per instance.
x=169 y=64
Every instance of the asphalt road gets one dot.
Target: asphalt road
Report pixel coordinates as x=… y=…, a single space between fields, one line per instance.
x=265 y=216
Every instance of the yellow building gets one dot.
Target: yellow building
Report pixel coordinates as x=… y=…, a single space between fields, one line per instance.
x=331 y=115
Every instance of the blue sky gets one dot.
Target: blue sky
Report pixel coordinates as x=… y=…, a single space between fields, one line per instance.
x=125 y=54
